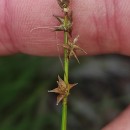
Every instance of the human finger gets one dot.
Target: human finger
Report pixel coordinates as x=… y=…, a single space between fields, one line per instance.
x=122 y=122
x=103 y=26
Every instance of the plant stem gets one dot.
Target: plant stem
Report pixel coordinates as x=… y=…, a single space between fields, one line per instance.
x=64 y=115
x=66 y=75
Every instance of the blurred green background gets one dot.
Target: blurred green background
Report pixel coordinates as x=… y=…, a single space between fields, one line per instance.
x=102 y=92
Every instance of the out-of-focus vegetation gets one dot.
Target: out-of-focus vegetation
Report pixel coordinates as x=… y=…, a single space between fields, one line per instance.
x=102 y=92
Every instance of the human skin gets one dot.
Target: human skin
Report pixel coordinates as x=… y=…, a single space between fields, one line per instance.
x=103 y=26
x=122 y=122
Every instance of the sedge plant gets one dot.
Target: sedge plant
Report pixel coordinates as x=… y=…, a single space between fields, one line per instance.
x=69 y=47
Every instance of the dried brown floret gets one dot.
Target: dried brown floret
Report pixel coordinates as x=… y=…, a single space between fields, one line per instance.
x=72 y=48
x=62 y=89
x=62 y=27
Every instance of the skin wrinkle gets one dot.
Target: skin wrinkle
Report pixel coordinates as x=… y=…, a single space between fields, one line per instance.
x=115 y=4
x=99 y=22
x=123 y=21
x=98 y=40
x=4 y=47
x=110 y=25
x=105 y=26
x=107 y=16
x=7 y=13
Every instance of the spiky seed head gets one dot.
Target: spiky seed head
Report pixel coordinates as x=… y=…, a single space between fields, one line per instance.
x=62 y=90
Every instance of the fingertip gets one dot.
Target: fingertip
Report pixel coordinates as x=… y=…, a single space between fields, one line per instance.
x=122 y=122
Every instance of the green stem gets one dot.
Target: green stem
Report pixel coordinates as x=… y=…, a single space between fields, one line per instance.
x=66 y=75
x=64 y=115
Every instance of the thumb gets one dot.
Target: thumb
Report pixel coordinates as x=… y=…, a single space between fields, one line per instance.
x=103 y=26
x=120 y=123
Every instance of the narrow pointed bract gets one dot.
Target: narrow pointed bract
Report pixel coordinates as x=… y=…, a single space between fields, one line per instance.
x=60 y=19
x=56 y=90
x=62 y=89
x=72 y=85
x=62 y=27
x=59 y=99
x=72 y=48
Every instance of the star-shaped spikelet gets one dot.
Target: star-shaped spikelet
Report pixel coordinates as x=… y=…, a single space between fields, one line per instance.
x=62 y=27
x=62 y=89
x=72 y=48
